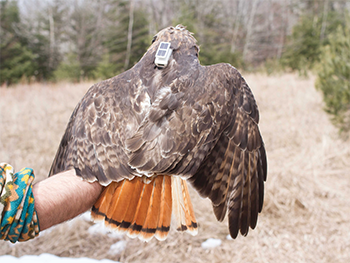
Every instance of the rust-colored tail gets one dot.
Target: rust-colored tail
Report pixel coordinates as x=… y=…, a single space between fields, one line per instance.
x=143 y=209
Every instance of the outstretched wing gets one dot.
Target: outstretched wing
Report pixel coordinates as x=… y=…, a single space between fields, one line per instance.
x=208 y=132
x=93 y=143
x=233 y=173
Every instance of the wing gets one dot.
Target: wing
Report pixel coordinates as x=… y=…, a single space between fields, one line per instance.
x=206 y=129
x=93 y=143
x=233 y=173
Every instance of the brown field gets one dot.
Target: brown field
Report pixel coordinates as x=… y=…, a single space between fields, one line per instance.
x=306 y=215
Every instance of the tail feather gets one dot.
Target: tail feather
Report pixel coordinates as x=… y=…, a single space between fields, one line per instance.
x=182 y=206
x=191 y=222
x=133 y=203
x=164 y=220
x=144 y=209
x=141 y=211
x=177 y=208
x=150 y=225
x=119 y=206
x=99 y=210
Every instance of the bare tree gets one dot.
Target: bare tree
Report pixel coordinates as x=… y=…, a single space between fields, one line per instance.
x=250 y=29
x=52 y=36
x=129 y=43
x=324 y=19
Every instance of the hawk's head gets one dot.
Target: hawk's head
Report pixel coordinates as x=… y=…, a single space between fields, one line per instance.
x=182 y=41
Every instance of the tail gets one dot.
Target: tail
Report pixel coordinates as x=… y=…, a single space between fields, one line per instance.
x=143 y=209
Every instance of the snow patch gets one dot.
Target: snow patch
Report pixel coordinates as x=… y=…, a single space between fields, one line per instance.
x=228 y=237
x=44 y=258
x=100 y=229
x=117 y=248
x=86 y=216
x=211 y=243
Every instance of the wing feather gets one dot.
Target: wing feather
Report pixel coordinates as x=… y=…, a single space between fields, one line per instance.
x=93 y=141
x=233 y=173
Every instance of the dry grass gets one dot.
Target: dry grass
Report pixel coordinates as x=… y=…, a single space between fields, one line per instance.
x=306 y=217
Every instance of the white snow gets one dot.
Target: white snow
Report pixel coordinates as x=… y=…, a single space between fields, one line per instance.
x=117 y=248
x=100 y=229
x=45 y=258
x=211 y=243
x=228 y=237
x=86 y=216
x=96 y=229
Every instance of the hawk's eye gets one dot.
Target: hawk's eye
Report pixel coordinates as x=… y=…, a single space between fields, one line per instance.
x=154 y=39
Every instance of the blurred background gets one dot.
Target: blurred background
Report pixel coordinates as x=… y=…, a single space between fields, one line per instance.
x=51 y=40
x=294 y=55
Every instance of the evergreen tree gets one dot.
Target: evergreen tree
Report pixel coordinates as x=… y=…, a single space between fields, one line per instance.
x=81 y=44
x=69 y=69
x=44 y=30
x=209 y=30
x=16 y=60
x=84 y=34
x=334 y=76
x=303 y=49
x=116 y=38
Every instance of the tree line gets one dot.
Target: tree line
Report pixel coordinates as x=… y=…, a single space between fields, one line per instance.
x=97 y=39
x=75 y=40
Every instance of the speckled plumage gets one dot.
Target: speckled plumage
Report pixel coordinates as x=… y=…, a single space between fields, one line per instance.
x=197 y=122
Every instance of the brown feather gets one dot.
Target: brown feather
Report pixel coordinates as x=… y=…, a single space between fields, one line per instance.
x=219 y=189
x=227 y=185
x=245 y=205
x=254 y=190
x=234 y=204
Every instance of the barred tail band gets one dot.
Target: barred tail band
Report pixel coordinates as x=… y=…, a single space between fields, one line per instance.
x=143 y=209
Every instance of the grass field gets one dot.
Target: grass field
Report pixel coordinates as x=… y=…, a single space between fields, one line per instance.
x=306 y=215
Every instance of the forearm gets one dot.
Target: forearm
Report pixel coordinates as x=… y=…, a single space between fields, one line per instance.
x=63 y=197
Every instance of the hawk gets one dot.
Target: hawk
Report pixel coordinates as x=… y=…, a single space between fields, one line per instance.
x=147 y=132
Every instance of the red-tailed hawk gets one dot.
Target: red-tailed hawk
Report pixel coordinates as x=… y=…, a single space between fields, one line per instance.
x=147 y=131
